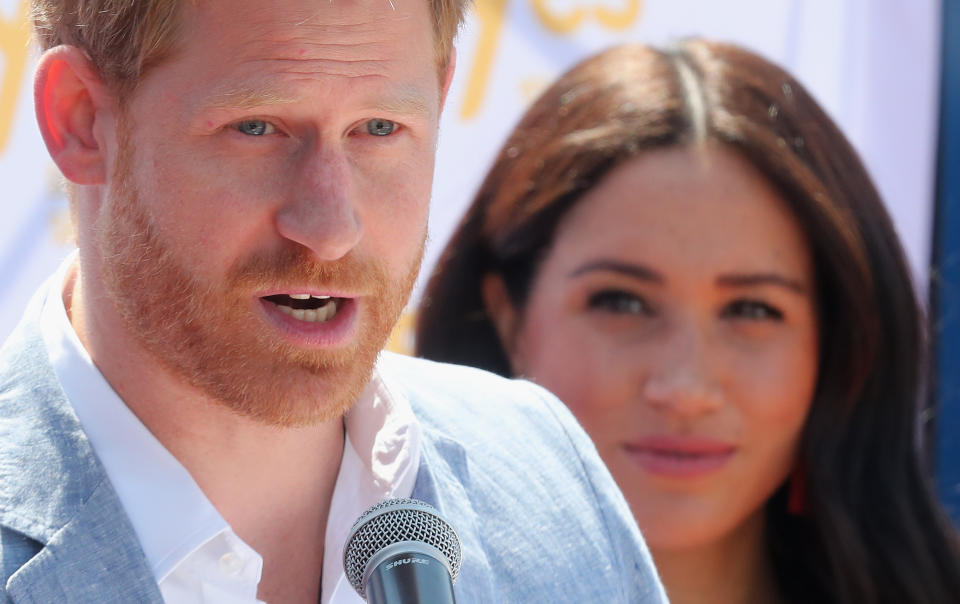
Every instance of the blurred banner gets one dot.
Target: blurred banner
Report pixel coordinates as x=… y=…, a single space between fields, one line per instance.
x=873 y=64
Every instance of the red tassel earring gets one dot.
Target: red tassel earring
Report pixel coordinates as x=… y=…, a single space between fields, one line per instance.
x=797 y=491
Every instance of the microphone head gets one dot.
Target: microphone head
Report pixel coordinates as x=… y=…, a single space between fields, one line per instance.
x=395 y=521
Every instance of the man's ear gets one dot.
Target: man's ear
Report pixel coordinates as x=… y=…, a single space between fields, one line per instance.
x=448 y=76
x=68 y=96
x=502 y=313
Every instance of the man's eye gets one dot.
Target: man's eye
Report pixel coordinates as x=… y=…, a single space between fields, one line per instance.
x=753 y=310
x=619 y=302
x=381 y=127
x=255 y=127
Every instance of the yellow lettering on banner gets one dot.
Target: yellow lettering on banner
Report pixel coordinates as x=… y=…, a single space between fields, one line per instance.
x=490 y=14
x=14 y=36
x=566 y=23
x=402 y=337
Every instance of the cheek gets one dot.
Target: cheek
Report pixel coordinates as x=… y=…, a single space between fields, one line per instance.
x=774 y=401
x=203 y=214
x=209 y=213
x=563 y=359
x=392 y=199
x=777 y=388
x=394 y=223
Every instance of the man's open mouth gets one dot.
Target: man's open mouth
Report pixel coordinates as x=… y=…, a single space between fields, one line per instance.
x=306 y=307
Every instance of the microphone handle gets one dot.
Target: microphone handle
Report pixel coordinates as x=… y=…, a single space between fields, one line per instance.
x=410 y=578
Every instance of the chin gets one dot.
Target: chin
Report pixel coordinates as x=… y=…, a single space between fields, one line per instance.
x=680 y=526
x=297 y=409
x=671 y=537
x=284 y=395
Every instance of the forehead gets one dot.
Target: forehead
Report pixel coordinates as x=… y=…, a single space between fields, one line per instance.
x=220 y=40
x=336 y=24
x=694 y=208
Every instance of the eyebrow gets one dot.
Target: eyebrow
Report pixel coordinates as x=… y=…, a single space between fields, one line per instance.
x=637 y=271
x=246 y=98
x=751 y=279
x=405 y=102
x=645 y=273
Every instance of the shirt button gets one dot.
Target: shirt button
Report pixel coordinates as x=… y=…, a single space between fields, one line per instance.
x=231 y=563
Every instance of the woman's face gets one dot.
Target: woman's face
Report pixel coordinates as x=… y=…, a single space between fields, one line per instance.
x=675 y=315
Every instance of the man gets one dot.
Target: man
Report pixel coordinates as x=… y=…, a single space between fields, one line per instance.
x=193 y=408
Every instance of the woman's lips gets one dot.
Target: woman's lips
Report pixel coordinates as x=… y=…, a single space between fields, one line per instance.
x=680 y=456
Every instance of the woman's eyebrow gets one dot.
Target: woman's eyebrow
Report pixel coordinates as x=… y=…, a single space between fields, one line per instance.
x=750 y=279
x=637 y=271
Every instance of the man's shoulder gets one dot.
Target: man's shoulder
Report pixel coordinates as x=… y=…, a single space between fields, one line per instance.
x=47 y=466
x=495 y=436
x=461 y=401
x=23 y=352
x=539 y=515
x=440 y=377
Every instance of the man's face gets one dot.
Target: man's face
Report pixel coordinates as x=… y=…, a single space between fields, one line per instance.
x=268 y=208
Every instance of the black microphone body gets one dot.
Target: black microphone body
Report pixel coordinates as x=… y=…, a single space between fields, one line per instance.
x=408 y=577
x=401 y=551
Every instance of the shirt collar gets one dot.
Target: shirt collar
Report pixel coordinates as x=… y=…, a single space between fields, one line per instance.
x=169 y=512
x=381 y=455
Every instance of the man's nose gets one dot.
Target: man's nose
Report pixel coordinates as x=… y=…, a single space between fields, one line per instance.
x=683 y=381
x=320 y=212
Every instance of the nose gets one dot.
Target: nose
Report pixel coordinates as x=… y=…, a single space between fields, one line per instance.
x=320 y=212
x=683 y=380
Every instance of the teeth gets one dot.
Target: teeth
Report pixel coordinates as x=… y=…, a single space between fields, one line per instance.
x=319 y=315
x=326 y=312
x=320 y=297
x=300 y=296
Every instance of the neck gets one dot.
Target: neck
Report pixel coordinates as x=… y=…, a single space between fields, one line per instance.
x=735 y=569
x=272 y=485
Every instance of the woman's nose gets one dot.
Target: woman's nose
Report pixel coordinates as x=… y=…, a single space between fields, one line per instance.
x=684 y=381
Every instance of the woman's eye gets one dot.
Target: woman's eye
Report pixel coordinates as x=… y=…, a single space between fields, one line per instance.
x=381 y=127
x=753 y=310
x=619 y=302
x=255 y=127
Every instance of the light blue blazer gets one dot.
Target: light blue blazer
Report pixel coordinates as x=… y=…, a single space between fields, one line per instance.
x=538 y=514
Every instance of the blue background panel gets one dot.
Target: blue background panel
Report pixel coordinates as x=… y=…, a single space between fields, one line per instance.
x=946 y=274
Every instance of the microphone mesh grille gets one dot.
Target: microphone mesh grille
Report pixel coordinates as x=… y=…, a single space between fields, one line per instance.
x=392 y=521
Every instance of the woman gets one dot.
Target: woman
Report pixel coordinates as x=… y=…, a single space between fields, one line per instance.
x=686 y=250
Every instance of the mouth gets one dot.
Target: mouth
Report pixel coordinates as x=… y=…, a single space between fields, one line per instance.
x=314 y=320
x=680 y=457
x=306 y=307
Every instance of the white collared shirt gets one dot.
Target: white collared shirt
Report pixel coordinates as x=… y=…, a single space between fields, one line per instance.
x=194 y=554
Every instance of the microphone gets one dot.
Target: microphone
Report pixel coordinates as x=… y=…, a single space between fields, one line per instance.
x=400 y=551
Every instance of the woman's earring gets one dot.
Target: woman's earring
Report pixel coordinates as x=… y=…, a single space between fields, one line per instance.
x=797 y=491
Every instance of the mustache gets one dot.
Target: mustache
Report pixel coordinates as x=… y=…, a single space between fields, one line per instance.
x=296 y=264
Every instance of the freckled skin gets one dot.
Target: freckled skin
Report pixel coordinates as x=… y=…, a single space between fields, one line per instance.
x=690 y=358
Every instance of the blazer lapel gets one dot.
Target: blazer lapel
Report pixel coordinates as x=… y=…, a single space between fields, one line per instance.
x=54 y=491
x=94 y=558
x=442 y=477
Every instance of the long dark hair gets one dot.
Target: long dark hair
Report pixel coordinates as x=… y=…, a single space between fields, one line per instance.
x=872 y=530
